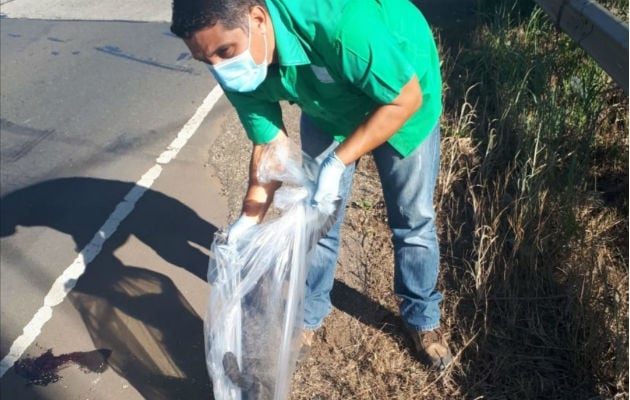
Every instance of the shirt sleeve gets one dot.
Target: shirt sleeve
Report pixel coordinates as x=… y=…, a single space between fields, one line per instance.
x=371 y=58
x=261 y=119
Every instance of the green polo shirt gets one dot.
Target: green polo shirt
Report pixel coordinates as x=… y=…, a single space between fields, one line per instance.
x=339 y=60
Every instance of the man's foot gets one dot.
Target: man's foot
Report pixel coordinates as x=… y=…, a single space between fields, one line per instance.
x=305 y=344
x=432 y=348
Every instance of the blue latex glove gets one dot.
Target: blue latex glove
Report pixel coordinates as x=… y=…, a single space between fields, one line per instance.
x=238 y=228
x=328 y=180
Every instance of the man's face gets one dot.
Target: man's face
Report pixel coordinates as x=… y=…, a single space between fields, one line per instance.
x=216 y=44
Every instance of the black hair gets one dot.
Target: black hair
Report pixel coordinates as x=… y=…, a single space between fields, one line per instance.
x=190 y=16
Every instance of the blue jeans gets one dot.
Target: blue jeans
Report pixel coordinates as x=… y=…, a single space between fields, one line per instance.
x=408 y=186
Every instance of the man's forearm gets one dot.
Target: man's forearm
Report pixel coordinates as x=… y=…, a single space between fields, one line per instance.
x=381 y=124
x=259 y=195
x=258 y=198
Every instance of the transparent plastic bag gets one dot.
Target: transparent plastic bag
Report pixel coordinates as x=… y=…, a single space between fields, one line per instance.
x=254 y=319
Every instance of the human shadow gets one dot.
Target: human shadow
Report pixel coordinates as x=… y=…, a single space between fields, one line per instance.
x=368 y=311
x=154 y=334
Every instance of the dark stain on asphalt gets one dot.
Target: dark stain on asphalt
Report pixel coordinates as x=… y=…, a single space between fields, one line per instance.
x=35 y=136
x=44 y=369
x=184 y=56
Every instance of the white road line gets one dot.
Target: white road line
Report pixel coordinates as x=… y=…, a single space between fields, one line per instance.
x=68 y=279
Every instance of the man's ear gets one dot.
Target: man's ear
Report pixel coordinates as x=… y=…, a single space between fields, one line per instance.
x=259 y=18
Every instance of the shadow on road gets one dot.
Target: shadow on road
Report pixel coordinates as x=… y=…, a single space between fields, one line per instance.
x=154 y=335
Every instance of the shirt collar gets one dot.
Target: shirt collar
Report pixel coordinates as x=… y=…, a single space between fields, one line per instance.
x=290 y=51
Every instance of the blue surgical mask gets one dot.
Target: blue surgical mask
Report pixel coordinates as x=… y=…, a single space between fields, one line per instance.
x=241 y=73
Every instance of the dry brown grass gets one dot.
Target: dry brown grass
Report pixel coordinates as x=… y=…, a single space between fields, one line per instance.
x=521 y=325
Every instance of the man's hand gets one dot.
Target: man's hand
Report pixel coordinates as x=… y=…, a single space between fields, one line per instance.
x=327 y=190
x=238 y=228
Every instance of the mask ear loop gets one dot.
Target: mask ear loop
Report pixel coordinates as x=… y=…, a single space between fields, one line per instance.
x=249 y=32
x=249 y=38
x=264 y=33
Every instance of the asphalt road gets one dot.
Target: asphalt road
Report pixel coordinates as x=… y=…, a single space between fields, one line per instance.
x=104 y=234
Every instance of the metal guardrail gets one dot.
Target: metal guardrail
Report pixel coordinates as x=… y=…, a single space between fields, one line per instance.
x=596 y=30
